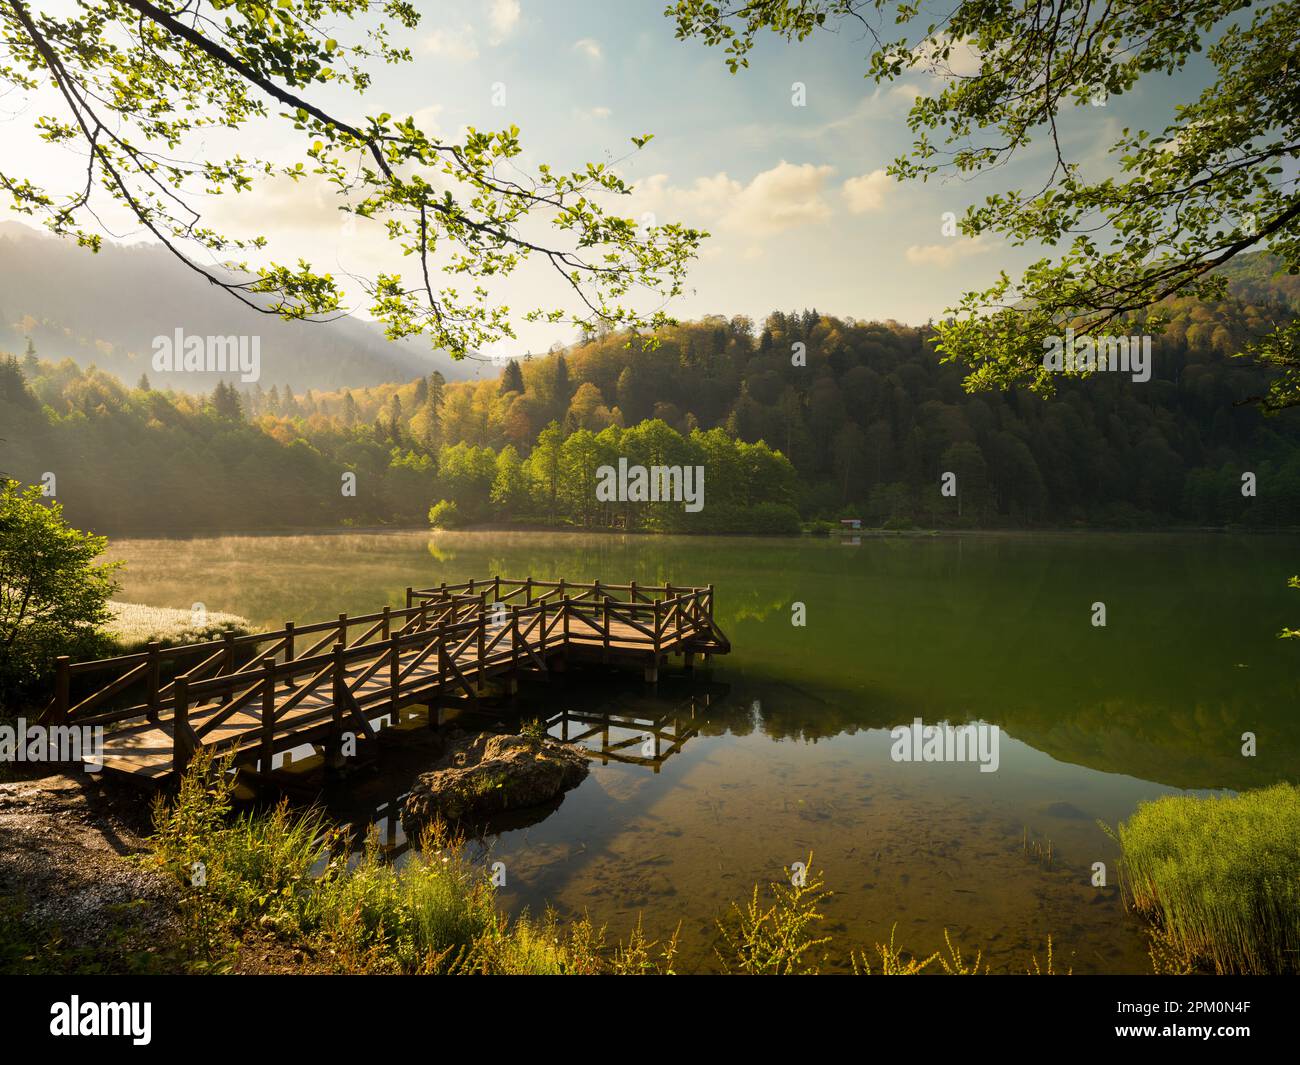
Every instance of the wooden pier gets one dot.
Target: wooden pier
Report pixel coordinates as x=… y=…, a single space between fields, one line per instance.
x=262 y=694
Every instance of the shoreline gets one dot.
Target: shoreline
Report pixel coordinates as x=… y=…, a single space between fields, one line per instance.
x=874 y=532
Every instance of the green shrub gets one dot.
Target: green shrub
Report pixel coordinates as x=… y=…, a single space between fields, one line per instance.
x=444 y=514
x=53 y=595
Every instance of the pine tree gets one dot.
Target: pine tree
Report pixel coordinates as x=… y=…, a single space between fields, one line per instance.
x=513 y=378
x=225 y=402
x=31 y=362
x=143 y=384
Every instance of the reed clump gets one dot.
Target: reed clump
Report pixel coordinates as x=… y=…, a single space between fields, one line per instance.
x=1219 y=878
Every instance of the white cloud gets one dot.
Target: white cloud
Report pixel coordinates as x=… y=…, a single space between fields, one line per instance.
x=866 y=192
x=459 y=45
x=426 y=118
x=590 y=47
x=785 y=197
x=963 y=59
x=592 y=112
x=503 y=17
x=944 y=255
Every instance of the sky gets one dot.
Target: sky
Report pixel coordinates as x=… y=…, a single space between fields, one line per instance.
x=800 y=210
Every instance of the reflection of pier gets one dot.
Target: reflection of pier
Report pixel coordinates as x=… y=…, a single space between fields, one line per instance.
x=655 y=737
x=639 y=735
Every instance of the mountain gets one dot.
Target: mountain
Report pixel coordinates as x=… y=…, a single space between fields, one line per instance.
x=107 y=308
x=1258 y=278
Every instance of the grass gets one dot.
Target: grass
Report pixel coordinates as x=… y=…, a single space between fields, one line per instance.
x=131 y=626
x=291 y=875
x=1219 y=878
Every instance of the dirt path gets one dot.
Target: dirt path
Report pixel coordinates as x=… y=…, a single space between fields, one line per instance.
x=71 y=897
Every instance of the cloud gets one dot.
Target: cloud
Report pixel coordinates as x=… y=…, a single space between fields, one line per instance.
x=944 y=255
x=426 y=119
x=785 y=197
x=590 y=47
x=963 y=60
x=503 y=17
x=459 y=45
x=592 y=113
x=866 y=192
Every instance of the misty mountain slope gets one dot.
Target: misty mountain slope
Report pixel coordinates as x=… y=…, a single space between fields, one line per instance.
x=107 y=308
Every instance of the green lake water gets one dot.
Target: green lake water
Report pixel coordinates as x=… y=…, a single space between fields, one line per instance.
x=789 y=748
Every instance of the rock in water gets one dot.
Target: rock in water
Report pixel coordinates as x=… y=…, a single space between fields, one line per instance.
x=489 y=774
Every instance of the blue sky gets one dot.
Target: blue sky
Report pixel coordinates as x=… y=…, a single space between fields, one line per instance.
x=795 y=197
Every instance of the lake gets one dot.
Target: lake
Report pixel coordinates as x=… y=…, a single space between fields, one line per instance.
x=785 y=746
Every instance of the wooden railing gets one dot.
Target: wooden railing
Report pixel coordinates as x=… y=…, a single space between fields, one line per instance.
x=464 y=628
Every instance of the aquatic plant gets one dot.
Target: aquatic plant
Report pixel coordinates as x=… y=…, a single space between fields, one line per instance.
x=1219 y=878
x=1049 y=967
x=779 y=939
x=896 y=962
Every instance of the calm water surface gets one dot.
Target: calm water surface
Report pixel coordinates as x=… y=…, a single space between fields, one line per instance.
x=785 y=746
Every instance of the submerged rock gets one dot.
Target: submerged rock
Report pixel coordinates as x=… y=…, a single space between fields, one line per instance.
x=488 y=774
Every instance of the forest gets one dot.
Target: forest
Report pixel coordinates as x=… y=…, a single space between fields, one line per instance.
x=802 y=417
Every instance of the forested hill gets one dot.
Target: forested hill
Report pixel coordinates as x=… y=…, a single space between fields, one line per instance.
x=865 y=427
x=106 y=309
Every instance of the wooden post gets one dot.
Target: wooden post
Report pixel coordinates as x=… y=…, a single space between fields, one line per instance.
x=62 y=688
x=268 y=714
x=154 y=679
x=386 y=631
x=514 y=637
x=633 y=598
x=340 y=687
x=605 y=633
x=343 y=629
x=180 y=726
x=658 y=606
x=482 y=635
x=394 y=677
x=410 y=594
x=528 y=590
x=229 y=663
x=542 y=628
x=288 y=651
